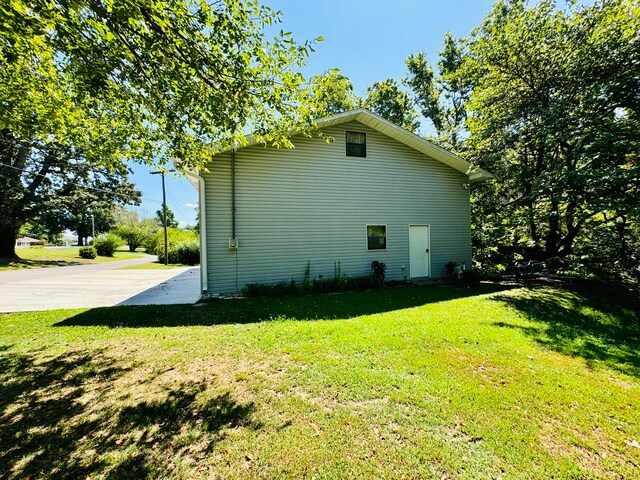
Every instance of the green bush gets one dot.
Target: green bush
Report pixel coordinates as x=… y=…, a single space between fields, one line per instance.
x=340 y=282
x=487 y=270
x=279 y=289
x=318 y=285
x=155 y=243
x=88 y=252
x=107 y=244
x=187 y=253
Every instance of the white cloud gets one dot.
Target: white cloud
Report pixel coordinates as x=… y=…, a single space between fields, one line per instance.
x=191 y=205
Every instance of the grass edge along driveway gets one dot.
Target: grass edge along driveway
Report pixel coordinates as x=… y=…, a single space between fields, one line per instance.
x=42 y=257
x=481 y=381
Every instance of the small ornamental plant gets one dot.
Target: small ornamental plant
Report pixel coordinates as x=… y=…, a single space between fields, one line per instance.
x=379 y=270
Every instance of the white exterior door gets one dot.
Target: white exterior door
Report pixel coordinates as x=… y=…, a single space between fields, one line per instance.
x=419 y=251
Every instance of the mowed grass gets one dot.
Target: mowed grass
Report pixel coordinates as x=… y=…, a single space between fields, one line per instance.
x=479 y=381
x=54 y=257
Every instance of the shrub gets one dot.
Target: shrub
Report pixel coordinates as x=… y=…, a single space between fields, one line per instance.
x=379 y=269
x=340 y=282
x=88 y=252
x=485 y=270
x=187 y=253
x=107 y=244
x=318 y=285
x=155 y=243
x=280 y=289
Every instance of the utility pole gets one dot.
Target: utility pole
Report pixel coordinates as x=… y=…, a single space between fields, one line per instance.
x=164 y=214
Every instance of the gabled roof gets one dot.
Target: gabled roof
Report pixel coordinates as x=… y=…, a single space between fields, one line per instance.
x=412 y=140
x=402 y=135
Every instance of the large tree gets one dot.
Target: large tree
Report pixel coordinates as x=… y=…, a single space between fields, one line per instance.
x=108 y=80
x=442 y=97
x=60 y=186
x=132 y=228
x=555 y=114
x=171 y=218
x=389 y=101
x=332 y=93
x=51 y=224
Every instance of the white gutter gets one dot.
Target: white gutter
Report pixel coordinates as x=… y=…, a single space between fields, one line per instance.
x=203 y=227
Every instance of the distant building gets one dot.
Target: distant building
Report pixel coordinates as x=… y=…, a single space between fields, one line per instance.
x=28 y=242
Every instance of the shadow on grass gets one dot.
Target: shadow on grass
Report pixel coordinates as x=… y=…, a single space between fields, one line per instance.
x=61 y=419
x=50 y=259
x=308 y=307
x=598 y=324
x=21 y=263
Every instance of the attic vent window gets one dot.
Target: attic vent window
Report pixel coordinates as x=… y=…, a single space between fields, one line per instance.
x=356 y=144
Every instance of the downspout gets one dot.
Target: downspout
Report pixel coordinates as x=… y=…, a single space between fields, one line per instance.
x=470 y=221
x=203 y=230
x=233 y=209
x=233 y=193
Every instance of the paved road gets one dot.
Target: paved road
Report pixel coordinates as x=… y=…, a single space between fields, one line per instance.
x=97 y=285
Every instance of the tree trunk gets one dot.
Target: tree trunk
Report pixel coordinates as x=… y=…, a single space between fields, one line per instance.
x=8 y=237
x=533 y=229
x=567 y=241
x=624 y=254
x=553 y=237
x=81 y=235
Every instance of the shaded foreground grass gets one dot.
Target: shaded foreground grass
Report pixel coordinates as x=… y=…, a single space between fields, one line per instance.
x=421 y=382
x=56 y=257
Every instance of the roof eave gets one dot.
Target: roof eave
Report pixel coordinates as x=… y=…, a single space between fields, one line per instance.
x=479 y=175
x=398 y=133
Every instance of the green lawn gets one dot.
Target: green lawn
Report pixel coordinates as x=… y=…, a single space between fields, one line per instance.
x=482 y=381
x=54 y=257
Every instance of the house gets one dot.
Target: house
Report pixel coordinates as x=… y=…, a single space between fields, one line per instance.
x=28 y=242
x=375 y=192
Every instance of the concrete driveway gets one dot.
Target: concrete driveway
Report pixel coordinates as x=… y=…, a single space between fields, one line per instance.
x=97 y=285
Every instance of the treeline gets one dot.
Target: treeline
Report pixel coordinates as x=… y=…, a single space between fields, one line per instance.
x=547 y=99
x=126 y=227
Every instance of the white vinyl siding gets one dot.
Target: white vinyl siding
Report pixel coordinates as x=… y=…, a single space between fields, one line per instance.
x=313 y=203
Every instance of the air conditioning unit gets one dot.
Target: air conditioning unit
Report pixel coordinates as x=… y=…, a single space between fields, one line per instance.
x=233 y=244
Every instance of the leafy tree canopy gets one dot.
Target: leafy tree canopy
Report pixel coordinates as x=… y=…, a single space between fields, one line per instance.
x=555 y=114
x=133 y=229
x=171 y=218
x=60 y=186
x=442 y=98
x=95 y=82
x=163 y=79
x=390 y=102
x=331 y=94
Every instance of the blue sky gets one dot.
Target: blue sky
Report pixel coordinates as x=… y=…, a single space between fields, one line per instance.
x=368 y=40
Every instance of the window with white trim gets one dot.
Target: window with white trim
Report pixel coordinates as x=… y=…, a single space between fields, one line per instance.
x=356 y=144
x=376 y=237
